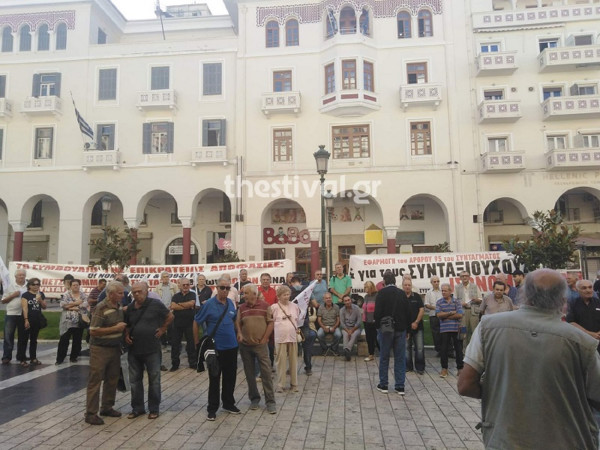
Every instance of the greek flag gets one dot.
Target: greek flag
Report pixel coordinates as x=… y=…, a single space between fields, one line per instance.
x=83 y=125
x=303 y=300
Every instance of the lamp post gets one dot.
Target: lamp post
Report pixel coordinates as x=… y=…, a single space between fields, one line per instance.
x=322 y=160
x=106 y=205
x=329 y=204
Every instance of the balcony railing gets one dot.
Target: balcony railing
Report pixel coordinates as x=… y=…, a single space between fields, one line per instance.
x=204 y=155
x=498 y=162
x=428 y=94
x=499 y=111
x=281 y=103
x=5 y=108
x=349 y=102
x=161 y=99
x=496 y=63
x=575 y=107
x=566 y=58
x=42 y=105
x=573 y=158
x=93 y=159
x=536 y=16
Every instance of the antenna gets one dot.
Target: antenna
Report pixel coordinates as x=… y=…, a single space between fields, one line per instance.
x=159 y=13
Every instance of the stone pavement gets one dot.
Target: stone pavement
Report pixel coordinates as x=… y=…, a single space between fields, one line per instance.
x=338 y=407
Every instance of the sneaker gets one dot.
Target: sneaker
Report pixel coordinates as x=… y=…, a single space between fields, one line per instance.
x=211 y=416
x=400 y=391
x=254 y=405
x=444 y=373
x=271 y=409
x=93 y=419
x=420 y=372
x=308 y=372
x=258 y=379
x=382 y=389
x=369 y=358
x=163 y=368
x=347 y=354
x=409 y=370
x=294 y=388
x=232 y=409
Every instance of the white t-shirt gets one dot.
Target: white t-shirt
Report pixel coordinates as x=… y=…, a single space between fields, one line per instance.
x=13 y=308
x=431 y=299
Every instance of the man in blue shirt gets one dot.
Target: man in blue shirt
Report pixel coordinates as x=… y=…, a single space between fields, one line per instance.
x=449 y=311
x=225 y=337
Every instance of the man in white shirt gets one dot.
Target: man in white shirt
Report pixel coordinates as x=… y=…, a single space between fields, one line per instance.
x=13 y=319
x=431 y=299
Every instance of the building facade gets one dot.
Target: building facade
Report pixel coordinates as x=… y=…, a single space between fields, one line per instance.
x=446 y=122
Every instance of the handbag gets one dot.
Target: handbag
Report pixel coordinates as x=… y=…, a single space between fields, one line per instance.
x=124 y=345
x=43 y=321
x=299 y=334
x=210 y=355
x=84 y=320
x=387 y=323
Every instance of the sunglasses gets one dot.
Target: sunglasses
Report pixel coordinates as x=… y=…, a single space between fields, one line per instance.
x=224 y=288
x=34 y=284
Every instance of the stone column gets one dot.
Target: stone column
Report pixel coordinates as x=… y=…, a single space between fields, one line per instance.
x=186 y=222
x=18 y=230
x=315 y=254
x=391 y=239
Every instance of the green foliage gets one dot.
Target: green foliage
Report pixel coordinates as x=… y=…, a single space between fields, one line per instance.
x=50 y=332
x=553 y=243
x=118 y=248
x=229 y=256
x=444 y=247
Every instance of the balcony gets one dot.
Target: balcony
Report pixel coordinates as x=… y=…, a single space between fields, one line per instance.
x=496 y=63
x=280 y=103
x=5 y=108
x=499 y=111
x=510 y=19
x=156 y=100
x=502 y=162
x=349 y=102
x=576 y=107
x=428 y=94
x=42 y=105
x=573 y=158
x=204 y=155
x=101 y=159
x=567 y=58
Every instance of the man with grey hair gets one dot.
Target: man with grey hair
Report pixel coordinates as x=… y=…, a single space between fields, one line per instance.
x=585 y=312
x=557 y=362
x=13 y=320
x=431 y=299
x=183 y=307
x=165 y=290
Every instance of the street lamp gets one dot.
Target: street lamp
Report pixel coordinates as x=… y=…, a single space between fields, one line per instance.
x=106 y=205
x=329 y=204
x=322 y=160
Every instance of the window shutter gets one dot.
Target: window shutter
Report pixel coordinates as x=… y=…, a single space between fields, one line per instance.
x=223 y=133
x=147 y=135
x=99 y=137
x=35 y=91
x=58 y=84
x=205 y=133
x=170 y=137
x=111 y=141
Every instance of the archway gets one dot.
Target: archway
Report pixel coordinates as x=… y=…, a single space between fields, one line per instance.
x=503 y=219
x=423 y=224
x=40 y=239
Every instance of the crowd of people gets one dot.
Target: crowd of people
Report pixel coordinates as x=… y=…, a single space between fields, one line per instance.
x=268 y=326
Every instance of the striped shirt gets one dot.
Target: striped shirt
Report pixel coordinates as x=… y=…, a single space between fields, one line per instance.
x=449 y=325
x=253 y=321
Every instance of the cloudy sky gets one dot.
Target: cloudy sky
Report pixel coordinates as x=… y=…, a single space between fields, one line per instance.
x=144 y=9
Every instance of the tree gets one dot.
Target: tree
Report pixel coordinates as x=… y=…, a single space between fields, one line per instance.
x=443 y=247
x=117 y=249
x=553 y=243
x=229 y=256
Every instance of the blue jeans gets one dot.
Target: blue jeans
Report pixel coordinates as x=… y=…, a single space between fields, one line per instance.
x=337 y=337
x=12 y=323
x=415 y=339
x=152 y=363
x=307 y=346
x=387 y=343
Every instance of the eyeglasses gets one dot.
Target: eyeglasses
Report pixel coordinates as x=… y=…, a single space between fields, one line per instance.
x=34 y=284
x=185 y=284
x=224 y=288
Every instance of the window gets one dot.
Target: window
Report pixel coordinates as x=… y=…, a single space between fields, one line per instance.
x=404 y=30
x=44 y=142
x=583 y=40
x=589 y=140
x=43 y=38
x=2 y=86
x=498 y=144
x=495 y=94
x=25 y=39
x=46 y=84
x=107 y=84
x=329 y=79
x=211 y=79
x=1 y=141
x=7 y=40
x=282 y=145
x=586 y=90
x=101 y=36
x=292 y=33
x=272 y=34
x=159 y=78
x=547 y=43
x=420 y=138
x=551 y=92
x=37 y=220
x=331 y=24
x=349 y=74
x=158 y=137
x=368 y=78
x=556 y=142
x=106 y=136
x=96 y=219
x=347 y=21
x=490 y=47
x=213 y=133
x=351 y=142
x=416 y=73
x=364 y=22
x=282 y=81
x=425 y=25
x=61 y=37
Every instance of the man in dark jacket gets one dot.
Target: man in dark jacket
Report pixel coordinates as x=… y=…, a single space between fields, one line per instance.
x=390 y=301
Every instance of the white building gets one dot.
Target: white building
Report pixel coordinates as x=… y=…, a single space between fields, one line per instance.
x=454 y=121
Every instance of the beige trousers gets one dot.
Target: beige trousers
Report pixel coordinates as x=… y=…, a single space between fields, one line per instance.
x=283 y=353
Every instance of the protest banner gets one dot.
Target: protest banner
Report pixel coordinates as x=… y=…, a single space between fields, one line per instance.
x=51 y=274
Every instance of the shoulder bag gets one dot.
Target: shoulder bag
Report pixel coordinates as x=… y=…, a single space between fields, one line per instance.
x=210 y=353
x=299 y=334
x=387 y=323
x=124 y=345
